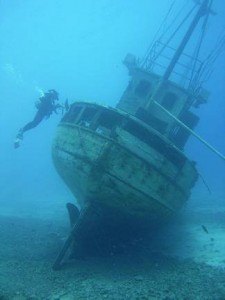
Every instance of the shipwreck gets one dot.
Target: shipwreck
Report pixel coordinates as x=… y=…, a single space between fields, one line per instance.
x=126 y=165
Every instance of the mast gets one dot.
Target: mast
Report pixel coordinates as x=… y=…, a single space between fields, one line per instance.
x=201 y=12
x=204 y=7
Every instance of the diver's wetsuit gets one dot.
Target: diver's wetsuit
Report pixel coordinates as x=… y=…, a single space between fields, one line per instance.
x=47 y=106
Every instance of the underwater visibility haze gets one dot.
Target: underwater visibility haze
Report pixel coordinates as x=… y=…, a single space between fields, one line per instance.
x=78 y=48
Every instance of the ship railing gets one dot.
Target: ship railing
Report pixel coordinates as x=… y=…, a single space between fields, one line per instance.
x=186 y=71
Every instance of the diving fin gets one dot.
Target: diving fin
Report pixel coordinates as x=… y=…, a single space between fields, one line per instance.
x=18 y=139
x=17 y=143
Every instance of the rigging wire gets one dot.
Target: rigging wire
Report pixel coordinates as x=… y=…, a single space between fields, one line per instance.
x=158 y=31
x=201 y=71
x=173 y=34
x=212 y=57
x=198 y=48
x=206 y=68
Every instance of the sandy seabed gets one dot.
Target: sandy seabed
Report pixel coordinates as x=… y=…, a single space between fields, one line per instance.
x=183 y=263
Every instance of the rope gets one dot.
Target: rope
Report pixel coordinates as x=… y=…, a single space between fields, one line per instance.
x=205 y=183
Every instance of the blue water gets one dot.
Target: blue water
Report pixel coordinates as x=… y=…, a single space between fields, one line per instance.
x=77 y=48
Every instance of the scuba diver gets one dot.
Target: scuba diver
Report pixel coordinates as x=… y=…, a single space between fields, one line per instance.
x=46 y=105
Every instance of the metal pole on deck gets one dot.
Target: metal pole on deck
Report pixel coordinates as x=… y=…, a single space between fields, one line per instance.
x=190 y=130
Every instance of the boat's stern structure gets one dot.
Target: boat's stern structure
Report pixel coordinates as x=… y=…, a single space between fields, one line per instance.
x=116 y=161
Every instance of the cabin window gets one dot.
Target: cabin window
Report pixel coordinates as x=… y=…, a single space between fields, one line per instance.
x=150 y=119
x=109 y=119
x=72 y=114
x=87 y=116
x=143 y=88
x=155 y=142
x=137 y=131
x=180 y=135
x=169 y=101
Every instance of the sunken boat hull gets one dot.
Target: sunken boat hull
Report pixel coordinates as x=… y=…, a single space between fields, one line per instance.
x=112 y=160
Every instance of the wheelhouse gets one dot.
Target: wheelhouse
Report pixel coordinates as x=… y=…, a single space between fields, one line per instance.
x=138 y=100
